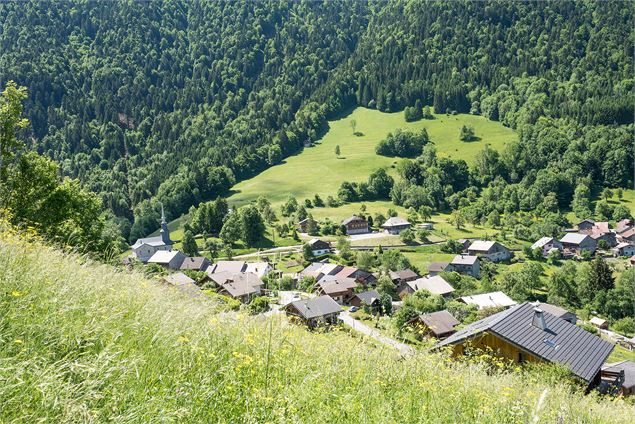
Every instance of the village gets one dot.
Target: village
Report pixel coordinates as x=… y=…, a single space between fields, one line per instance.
x=329 y=292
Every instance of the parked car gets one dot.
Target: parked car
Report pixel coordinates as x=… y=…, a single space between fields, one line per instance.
x=354 y=309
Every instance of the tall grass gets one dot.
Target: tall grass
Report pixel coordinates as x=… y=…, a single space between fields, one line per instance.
x=83 y=342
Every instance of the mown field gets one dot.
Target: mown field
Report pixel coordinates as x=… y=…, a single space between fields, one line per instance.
x=318 y=170
x=83 y=342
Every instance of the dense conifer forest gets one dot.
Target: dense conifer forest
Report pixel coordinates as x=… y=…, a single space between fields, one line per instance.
x=175 y=101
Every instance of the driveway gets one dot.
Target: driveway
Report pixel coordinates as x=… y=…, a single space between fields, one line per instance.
x=360 y=327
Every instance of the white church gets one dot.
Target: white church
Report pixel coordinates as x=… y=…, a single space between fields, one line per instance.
x=144 y=248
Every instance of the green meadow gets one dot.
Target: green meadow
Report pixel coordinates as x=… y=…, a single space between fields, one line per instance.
x=318 y=170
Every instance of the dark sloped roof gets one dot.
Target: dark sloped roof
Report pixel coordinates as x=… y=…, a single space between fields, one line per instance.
x=351 y=219
x=196 y=262
x=440 y=322
x=629 y=372
x=316 y=307
x=562 y=342
x=368 y=296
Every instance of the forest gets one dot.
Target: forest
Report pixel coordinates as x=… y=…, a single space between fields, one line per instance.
x=176 y=101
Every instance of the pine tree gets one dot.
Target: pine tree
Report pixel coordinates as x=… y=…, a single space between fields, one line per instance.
x=190 y=248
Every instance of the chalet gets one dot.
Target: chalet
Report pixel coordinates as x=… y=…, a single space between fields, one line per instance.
x=628 y=236
x=626 y=371
x=465 y=243
x=489 y=300
x=435 y=285
x=242 y=286
x=369 y=298
x=491 y=250
x=624 y=249
x=576 y=243
x=557 y=311
x=318 y=270
x=610 y=238
x=183 y=283
x=600 y=323
x=314 y=311
x=170 y=259
x=339 y=289
x=319 y=247
x=546 y=245
x=525 y=334
x=585 y=226
x=222 y=278
x=197 y=263
x=624 y=225
x=359 y=275
x=395 y=225
x=355 y=225
x=303 y=225
x=436 y=267
x=403 y=276
x=465 y=264
x=439 y=324
x=261 y=269
x=144 y=248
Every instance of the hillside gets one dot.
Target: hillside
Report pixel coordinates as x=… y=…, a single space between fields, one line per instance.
x=85 y=342
x=176 y=101
x=319 y=170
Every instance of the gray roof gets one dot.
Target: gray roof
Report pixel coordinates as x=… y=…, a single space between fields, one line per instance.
x=394 y=221
x=541 y=242
x=562 y=342
x=164 y=256
x=403 y=274
x=226 y=266
x=178 y=278
x=197 y=263
x=337 y=285
x=441 y=322
x=435 y=285
x=316 y=307
x=151 y=241
x=573 y=238
x=629 y=372
x=464 y=260
x=489 y=300
x=368 y=297
x=552 y=309
x=437 y=266
x=237 y=288
x=481 y=245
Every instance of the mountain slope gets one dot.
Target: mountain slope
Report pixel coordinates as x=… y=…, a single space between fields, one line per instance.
x=85 y=342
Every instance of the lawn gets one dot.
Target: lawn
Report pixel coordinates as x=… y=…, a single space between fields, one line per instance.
x=318 y=170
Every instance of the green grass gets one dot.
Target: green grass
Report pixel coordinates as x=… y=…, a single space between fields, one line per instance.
x=83 y=342
x=621 y=354
x=318 y=170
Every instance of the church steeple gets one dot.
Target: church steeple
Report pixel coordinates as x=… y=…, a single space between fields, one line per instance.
x=165 y=233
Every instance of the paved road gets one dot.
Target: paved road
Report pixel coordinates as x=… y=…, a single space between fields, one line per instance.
x=360 y=327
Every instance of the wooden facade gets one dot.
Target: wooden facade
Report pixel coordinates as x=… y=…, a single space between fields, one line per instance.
x=500 y=347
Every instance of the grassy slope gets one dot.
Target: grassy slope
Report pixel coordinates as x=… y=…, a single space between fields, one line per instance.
x=82 y=342
x=317 y=170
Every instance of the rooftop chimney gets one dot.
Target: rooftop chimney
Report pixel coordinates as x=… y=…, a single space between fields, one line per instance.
x=539 y=319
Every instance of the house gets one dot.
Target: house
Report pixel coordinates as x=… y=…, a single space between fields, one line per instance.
x=241 y=286
x=359 y=275
x=626 y=371
x=403 y=276
x=144 y=248
x=624 y=249
x=435 y=285
x=557 y=311
x=261 y=269
x=303 y=225
x=318 y=270
x=339 y=289
x=439 y=324
x=546 y=244
x=226 y=266
x=170 y=259
x=491 y=250
x=628 y=236
x=436 y=267
x=525 y=333
x=609 y=237
x=183 y=283
x=355 y=225
x=314 y=311
x=222 y=278
x=319 y=247
x=465 y=264
x=426 y=226
x=489 y=300
x=395 y=225
x=576 y=243
x=585 y=226
x=197 y=263
x=624 y=225
x=370 y=298
x=465 y=243
x=600 y=323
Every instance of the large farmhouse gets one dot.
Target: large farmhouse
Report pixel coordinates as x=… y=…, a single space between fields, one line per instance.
x=491 y=250
x=355 y=225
